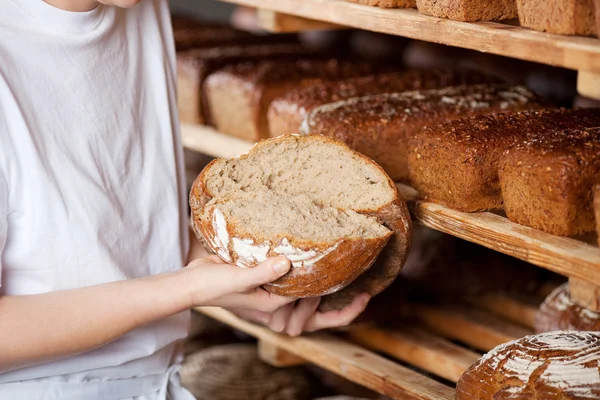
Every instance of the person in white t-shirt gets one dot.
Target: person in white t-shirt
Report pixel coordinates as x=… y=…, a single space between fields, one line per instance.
x=93 y=210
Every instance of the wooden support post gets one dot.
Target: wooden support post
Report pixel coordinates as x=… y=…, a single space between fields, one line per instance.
x=276 y=356
x=588 y=84
x=276 y=22
x=584 y=294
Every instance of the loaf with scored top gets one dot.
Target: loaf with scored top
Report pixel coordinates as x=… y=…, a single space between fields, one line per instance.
x=555 y=365
x=559 y=312
x=287 y=112
x=240 y=95
x=566 y=17
x=379 y=126
x=194 y=66
x=547 y=181
x=456 y=163
x=469 y=10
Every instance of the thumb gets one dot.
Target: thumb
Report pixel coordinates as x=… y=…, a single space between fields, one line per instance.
x=267 y=271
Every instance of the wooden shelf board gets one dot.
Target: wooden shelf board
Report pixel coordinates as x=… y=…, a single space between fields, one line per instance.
x=566 y=256
x=345 y=359
x=574 y=52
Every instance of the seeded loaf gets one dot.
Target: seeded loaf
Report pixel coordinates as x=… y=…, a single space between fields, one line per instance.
x=555 y=365
x=240 y=95
x=566 y=17
x=379 y=126
x=547 y=182
x=287 y=112
x=328 y=209
x=387 y=3
x=194 y=66
x=456 y=163
x=469 y=10
x=559 y=313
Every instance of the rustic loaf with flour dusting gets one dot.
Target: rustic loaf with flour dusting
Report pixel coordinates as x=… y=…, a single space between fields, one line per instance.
x=456 y=163
x=555 y=365
x=287 y=112
x=328 y=209
x=379 y=126
x=559 y=312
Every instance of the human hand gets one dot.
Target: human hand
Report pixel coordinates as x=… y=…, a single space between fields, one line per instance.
x=212 y=282
x=302 y=315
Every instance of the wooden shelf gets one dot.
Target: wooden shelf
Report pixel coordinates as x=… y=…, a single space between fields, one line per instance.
x=574 y=52
x=569 y=257
x=437 y=339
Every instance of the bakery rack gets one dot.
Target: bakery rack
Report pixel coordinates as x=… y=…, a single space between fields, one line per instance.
x=424 y=358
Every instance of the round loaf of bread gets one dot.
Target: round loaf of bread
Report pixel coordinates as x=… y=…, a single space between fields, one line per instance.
x=328 y=209
x=559 y=313
x=554 y=365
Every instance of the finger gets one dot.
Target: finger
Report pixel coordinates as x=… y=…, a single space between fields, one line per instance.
x=252 y=315
x=279 y=319
x=257 y=299
x=333 y=319
x=303 y=311
x=266 y=272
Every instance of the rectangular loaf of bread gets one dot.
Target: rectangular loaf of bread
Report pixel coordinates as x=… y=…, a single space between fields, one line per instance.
x=240 y=95
x=469 y=10
x=547 y=181
x=387 y=3
x=193 y=66
x=566 y=17
x=189 y=33
x=287 y=112
x=456 y=163
x=379 y=125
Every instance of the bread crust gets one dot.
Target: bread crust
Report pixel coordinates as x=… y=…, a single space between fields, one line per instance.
x=597 y=210
x=555 y=365
x=559 y=313
x=338 y=268
x=469 y=10
x=565 y=17
x=387 y=3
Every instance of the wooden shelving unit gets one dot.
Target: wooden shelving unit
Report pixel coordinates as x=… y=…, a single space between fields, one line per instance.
x=576 y=258
x=423 y=358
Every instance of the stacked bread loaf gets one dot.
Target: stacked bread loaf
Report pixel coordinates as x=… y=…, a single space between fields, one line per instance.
x=560 y=312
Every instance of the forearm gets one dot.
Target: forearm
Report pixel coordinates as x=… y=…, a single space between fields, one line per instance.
x=39 y=328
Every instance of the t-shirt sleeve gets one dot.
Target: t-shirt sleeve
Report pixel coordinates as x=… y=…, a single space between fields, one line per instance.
x=3 y=217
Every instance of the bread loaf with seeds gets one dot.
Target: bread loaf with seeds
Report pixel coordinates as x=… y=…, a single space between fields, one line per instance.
x=468 y=10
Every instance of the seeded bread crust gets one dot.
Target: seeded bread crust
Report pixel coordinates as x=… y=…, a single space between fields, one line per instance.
x=554 y=365
x=379 y=126
x=559 y=313
x=287 y=112
x=240 y=95
x=342 y=265
x=456 y=163
x=566 y=17
x=387 y=3
x=547 y=182
x=469 y=10
x=194 y=66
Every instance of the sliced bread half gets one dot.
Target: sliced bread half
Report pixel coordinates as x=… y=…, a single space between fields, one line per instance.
x=330 y=210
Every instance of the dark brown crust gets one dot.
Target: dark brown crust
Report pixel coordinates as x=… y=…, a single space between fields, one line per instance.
x=468 y=10
x=287 y=112
x=597 y=210
x=193 y=66
x=558 y=16
x=553 y=365
x=547 y=183
x=189 y=33
x=559 y=313
x=379 y=126
x=456 y=163
x=394 y=215
x=387 y=3
x=262 y=82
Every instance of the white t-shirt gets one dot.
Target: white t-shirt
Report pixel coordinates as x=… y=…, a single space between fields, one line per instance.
x=91 y=172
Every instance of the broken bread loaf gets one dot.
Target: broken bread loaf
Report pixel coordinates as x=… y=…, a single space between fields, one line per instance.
x=327 y=208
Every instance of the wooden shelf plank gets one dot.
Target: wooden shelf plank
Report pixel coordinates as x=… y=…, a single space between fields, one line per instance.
x=275 y=22
x=345 y=359
x=579 y=53
x=566 y=256
x=418 y=347
x=516 y=310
